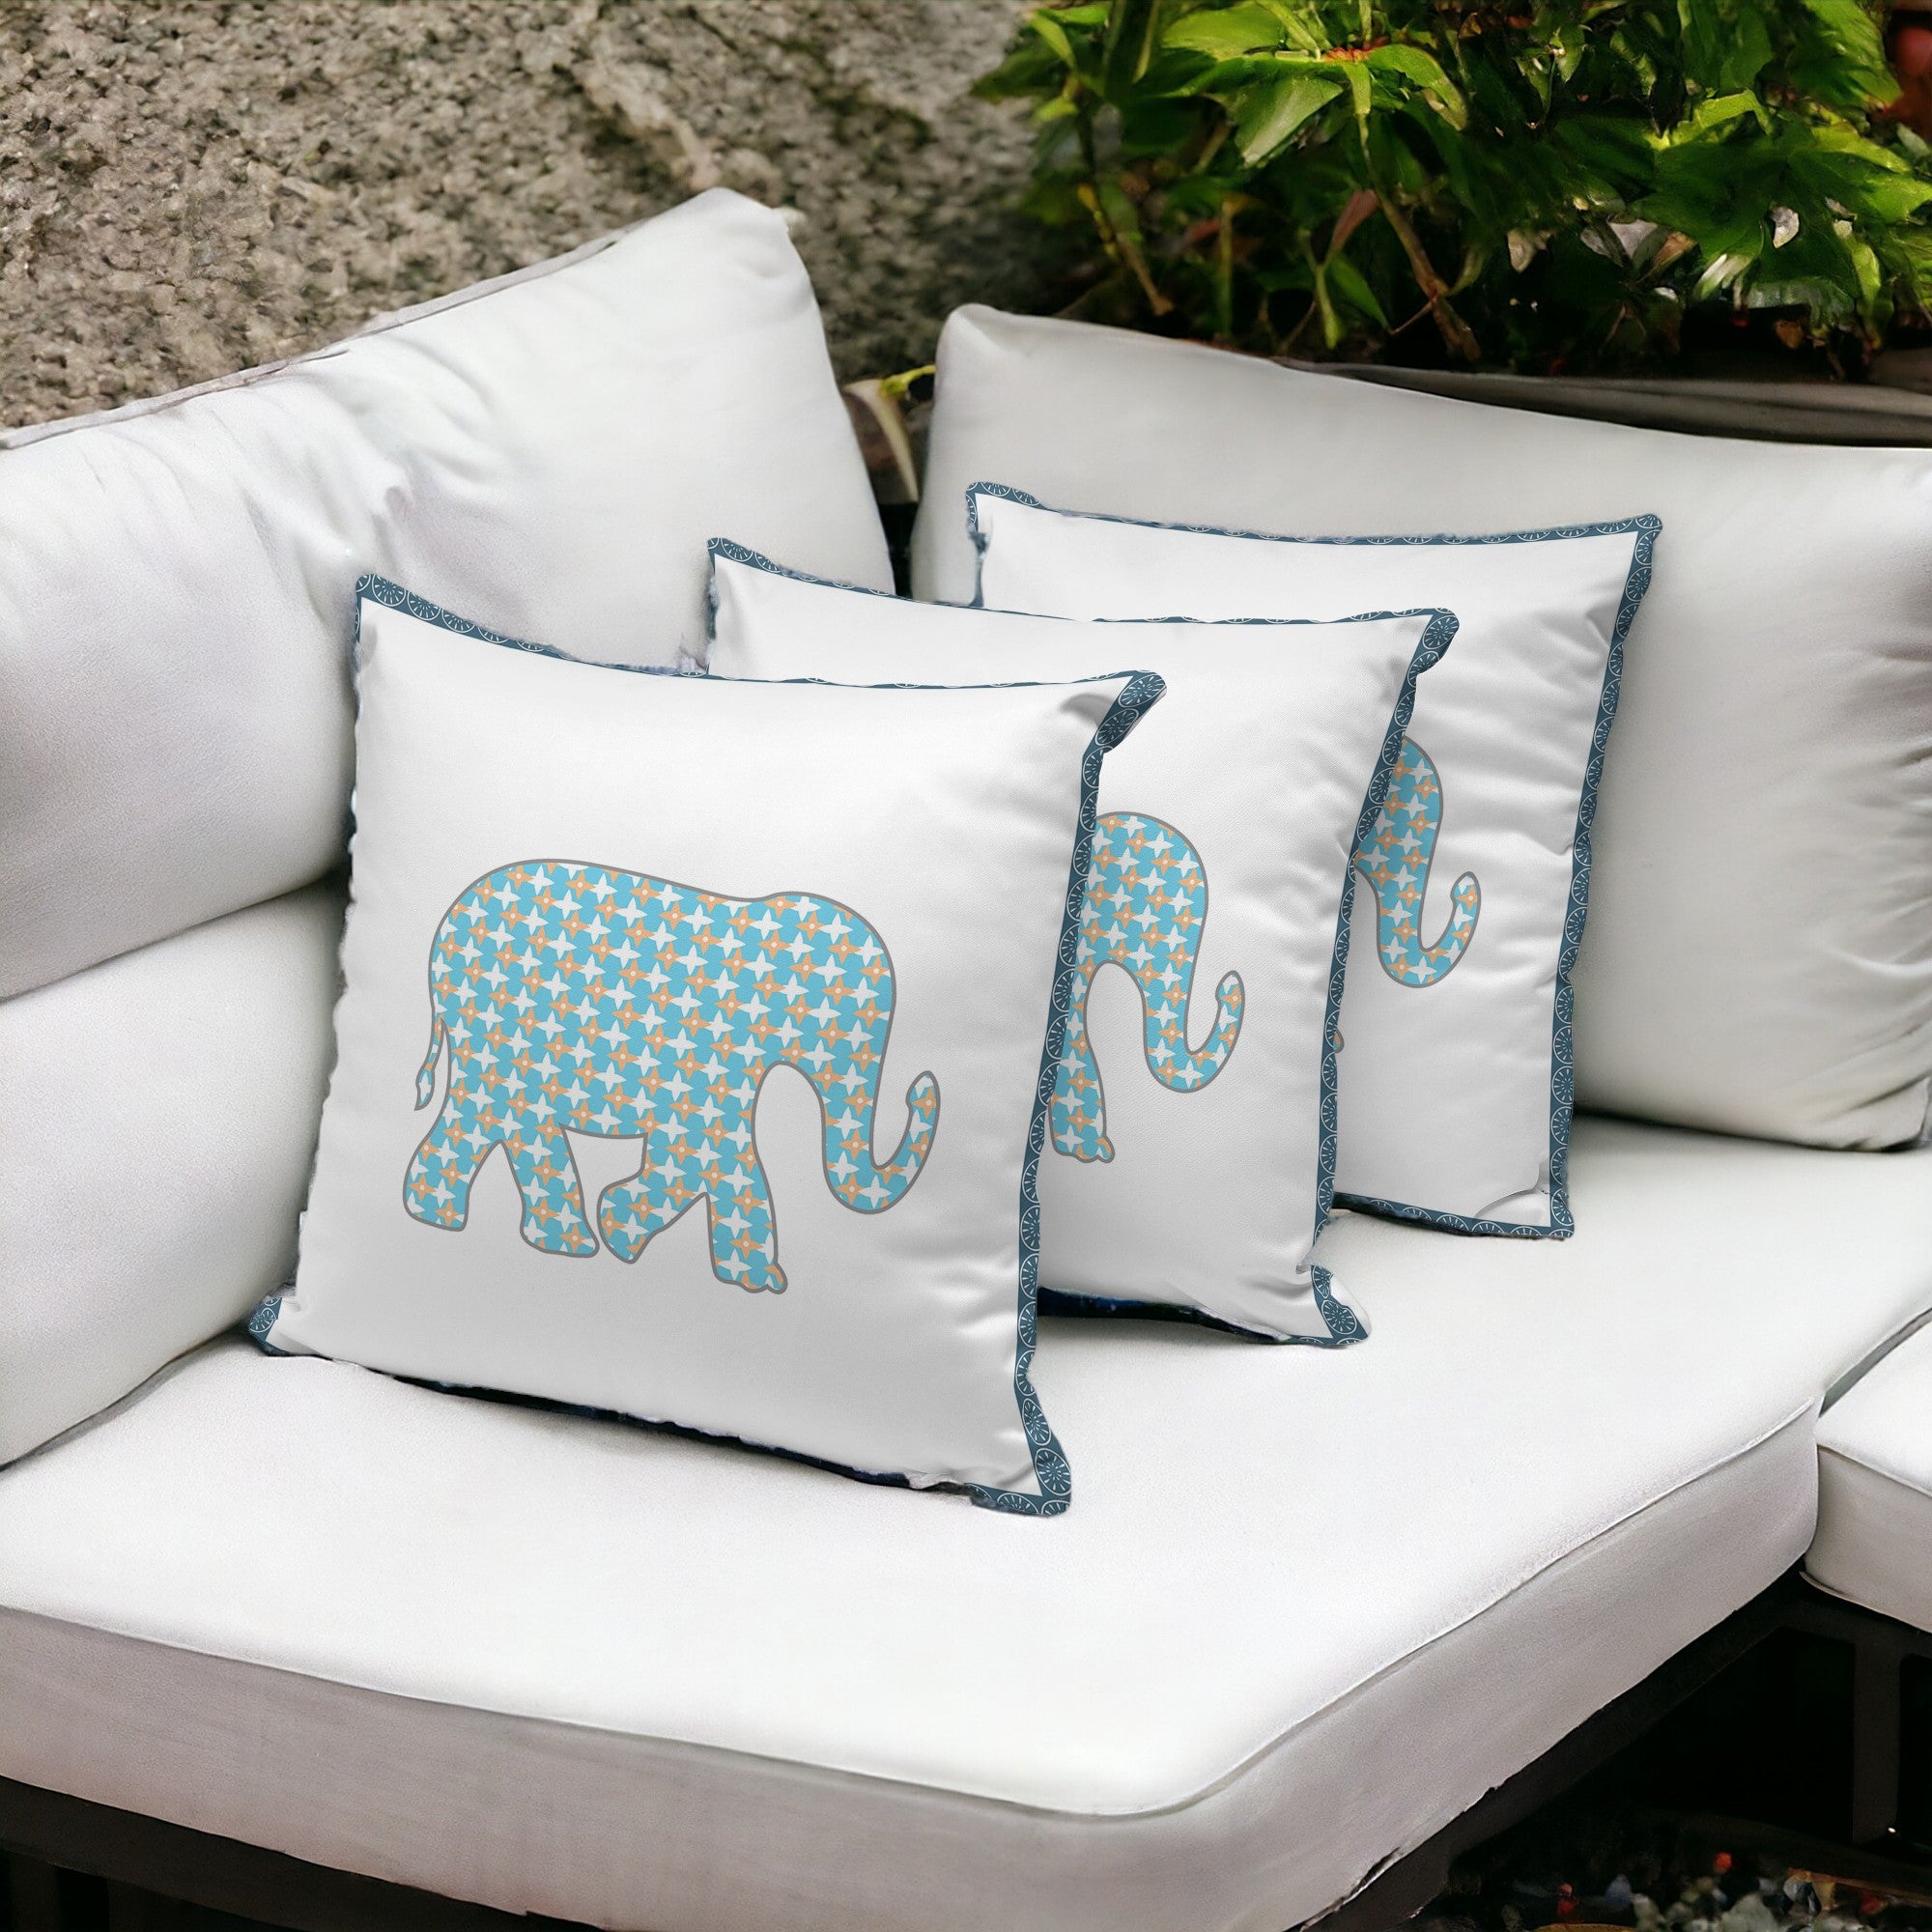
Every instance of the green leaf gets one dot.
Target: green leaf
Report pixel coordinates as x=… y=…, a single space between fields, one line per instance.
x=1324 y=303
x=1599 y=155
x=1031 y=70
x=1157 y=127
x=1271 y=113
x=1720 y=272
x=1360 y=85
x=1345 y=280
x=1129 y=43
x=1866 y=264
x=1727 y=44
x=1123 y=219
x=1867 y=180
x=1054 y=34
x=1841 y=57
x=1835 y=137
x=1228 y=32
x=1427 y=74
x=1301 y=22
x=1882 y=198
x=1908 y=255
x=1746 y=52
x=1712 y=115
x=1203 y=155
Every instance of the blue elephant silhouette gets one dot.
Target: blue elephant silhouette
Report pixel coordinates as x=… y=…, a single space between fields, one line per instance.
x=1395 y=859
x=582 y=998
x=1147 y=903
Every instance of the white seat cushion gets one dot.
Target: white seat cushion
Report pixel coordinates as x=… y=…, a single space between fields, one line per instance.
x=1310 y=1608
x=1874 y=1541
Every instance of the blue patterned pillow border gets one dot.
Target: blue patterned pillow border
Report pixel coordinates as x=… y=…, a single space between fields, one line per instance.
x=1051 y=1468
x=1646 y=529
x=1141 y=690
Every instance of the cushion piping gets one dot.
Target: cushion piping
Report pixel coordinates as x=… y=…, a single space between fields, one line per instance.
x=378 y=325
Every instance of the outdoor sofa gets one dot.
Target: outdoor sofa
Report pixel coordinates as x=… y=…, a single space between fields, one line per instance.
x=275 y=1627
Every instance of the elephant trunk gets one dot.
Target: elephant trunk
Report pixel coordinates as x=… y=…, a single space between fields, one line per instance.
x=1147 y=907
x=862 y=1184
x=1168 y=1057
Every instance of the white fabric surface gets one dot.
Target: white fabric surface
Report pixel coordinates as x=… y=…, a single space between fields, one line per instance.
x=1278 y=1641
x=781 y=958
x=1875 y=1489
x=549 y=452
x=1234 y=808
x=156 y=1124
x=1759 y=950
x=1454 y=1102
x=635 y=1831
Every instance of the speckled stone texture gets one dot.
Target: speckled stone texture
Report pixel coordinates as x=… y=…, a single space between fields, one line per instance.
x=192 y=187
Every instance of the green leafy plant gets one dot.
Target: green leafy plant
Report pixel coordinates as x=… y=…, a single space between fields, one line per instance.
x=1536 y=183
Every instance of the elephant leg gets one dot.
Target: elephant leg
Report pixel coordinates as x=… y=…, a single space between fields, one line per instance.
x=631 y=1213
x=546 y=1171
x=675 y=1176
x=744 y=1234
x=437 y=1187
x=1079 y=1105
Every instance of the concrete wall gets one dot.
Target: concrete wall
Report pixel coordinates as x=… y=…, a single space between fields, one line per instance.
x=192 y=186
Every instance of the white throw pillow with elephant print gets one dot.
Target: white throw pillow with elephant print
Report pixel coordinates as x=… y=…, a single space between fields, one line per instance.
x=1456 y=1024
x=1194 y=1112
x=758 y=992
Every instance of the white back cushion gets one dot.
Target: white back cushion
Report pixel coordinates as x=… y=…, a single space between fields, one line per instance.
x=158 y=1118
x=1759 y=957
x=550 y=451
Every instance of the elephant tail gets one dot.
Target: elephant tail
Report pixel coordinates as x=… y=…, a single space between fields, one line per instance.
x=426 y=1072
x=862 y=1184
